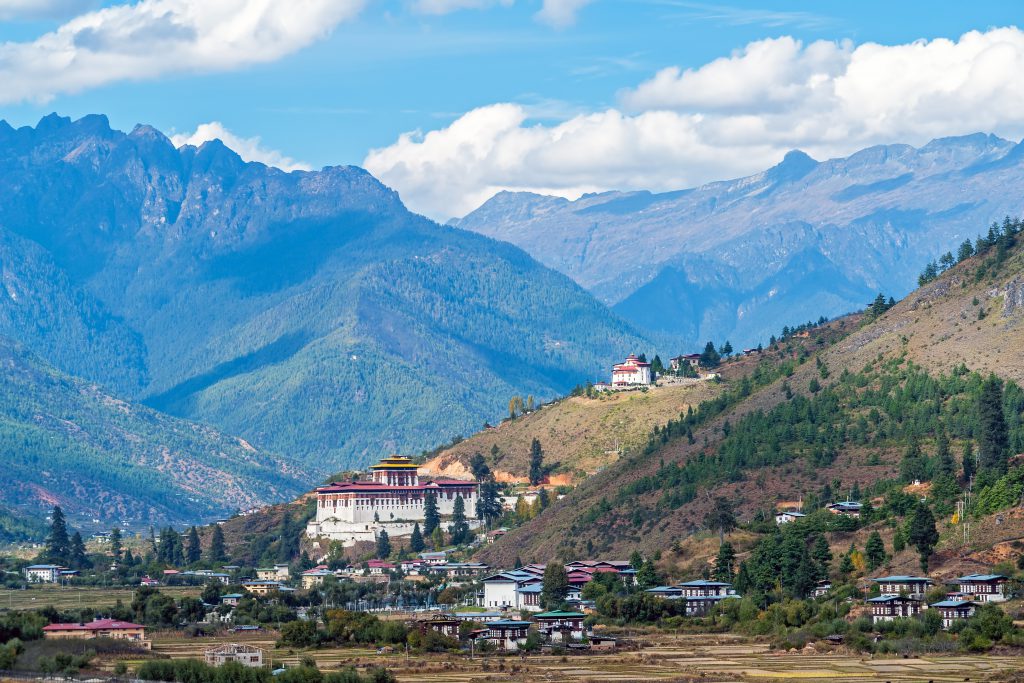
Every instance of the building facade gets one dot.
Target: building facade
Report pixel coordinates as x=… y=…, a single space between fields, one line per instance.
x=392 y=500
x=631 y=372
x=889 y=607
x=246 y=655
x=983 y=587
x=953 y=611
x=914 y=586
x=99 y=628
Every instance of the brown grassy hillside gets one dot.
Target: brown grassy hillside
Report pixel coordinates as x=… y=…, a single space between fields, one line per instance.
x=971 y=315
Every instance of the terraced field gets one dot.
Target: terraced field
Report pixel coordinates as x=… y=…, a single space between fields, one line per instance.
x=72 y=597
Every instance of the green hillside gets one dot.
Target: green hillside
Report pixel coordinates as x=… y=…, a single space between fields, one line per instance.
x=68 y=442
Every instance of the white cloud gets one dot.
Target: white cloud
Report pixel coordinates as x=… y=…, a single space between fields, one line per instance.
x=560 y=13
x=250 y=149
x=153 y=37
x=730 y=117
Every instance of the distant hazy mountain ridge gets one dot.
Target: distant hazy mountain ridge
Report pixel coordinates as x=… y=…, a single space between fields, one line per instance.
x=738 y=259
x=308 y=312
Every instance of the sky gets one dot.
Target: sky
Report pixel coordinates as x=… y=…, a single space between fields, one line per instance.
x=450 y=101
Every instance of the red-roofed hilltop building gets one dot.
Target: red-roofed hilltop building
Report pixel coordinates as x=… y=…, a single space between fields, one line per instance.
x=392 y=499
x=631 y=372
x=99 y=628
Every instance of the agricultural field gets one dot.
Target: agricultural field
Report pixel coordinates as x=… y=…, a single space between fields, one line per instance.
x=662 y=657
x=73 y=597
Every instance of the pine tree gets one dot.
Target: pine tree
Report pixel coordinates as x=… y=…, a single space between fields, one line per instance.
x=116 y=544
x=488 y=508
x=416 y=543
x=129 y=560
x=721 y=517
x=437 y=538
x=478 y=466
x=536 y=462
x=647 y=575
x=874 y=551
x=994 y=440
x=431 y=518
x=846 y=565
x=383 y=545
x=822 y=556
x=459 y=529
x=944 y=462
x=193 y=549
x=725 y=563
x=58 y=543
x=636 y=560
x=922 y=533
x=78 y=558
x=710 y=357
x=555 y=586
x=968 y=462
x=217 y=551
x=899 y=541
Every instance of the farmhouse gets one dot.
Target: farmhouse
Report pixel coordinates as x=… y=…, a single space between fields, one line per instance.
x=631 y=372
x=561 y=627
x=315 y=576
x=99 y=628
x=392 y=500
x=507 y=635
x=889 y=607
x=788 y=517
x=849 y=508
x=953 y=611
x=444 y=624
x=691 y=359
x=246 y=655
x=983 y=587
x=914 y=586
x=43 y=573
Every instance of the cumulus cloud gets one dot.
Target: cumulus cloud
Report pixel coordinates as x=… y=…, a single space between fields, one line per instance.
x=560 y=13
x=730 y=117
x=154 y=37
x=250 y=149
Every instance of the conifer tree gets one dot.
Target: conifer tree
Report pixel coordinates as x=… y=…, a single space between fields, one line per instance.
x=78 y=558
x=968 y=462
x=416 y=543
x=488 y=508
x=556 y=585
x=821 y=553
x=874 y=551
x=478 y=466
x=647 y=575
x=459 y=529
x=944 y=463
x=217 y=551
x=536 y=462
x=899 y=541
x=636 y=560
x=383 y=545
x=116 y=544
x=58 y=543
x=993 y=440
x=725 y=563
x=193 y=550
x=431 y=518
x=437 y=538
x=922 y=533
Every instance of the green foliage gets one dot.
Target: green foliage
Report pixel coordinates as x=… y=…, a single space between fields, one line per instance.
x=459 y=530
x=416 y=542
x=300 y=633
x=383 y=545
x=536 y=463
x=874 y=551
x=431 y=517
x=922 y=533
x=555 y=586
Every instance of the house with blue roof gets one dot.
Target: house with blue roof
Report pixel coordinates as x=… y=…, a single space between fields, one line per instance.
x=507 y=635
x=515 y=589
x=983 y=587
x=894 y=606
x=914 y=586
x=954 y=610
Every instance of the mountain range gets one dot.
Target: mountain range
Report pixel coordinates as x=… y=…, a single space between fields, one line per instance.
x=736 y=260
x=309 y=313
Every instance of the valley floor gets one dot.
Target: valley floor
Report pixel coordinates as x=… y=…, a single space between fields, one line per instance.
x=661 y=657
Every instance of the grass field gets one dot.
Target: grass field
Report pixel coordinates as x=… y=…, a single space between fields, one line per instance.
x=664 y=657
x=71 y=597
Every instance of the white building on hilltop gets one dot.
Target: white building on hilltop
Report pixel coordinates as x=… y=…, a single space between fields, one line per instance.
x=392 y=500
x=631 y=372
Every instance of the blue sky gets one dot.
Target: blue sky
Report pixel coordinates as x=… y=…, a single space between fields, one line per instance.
x=387 y=68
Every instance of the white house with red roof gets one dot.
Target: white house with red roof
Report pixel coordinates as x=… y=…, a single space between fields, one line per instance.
x=632 y=372
x=391 y=500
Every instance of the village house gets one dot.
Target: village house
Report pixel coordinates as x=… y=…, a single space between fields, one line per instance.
x=444 y=624
x=208 y=575
x=632 y=372
x=99 y=628
x=703 y=588
x=561 y=627
x=230 y=599
x=507 y=635
x=822 y=588
x=315 y=576
x=848 y=508
x=459 y=570
x=262 y=587
x=983 y=587
x=954 y=610
x=380 y=567
x=506 y=590
x=148 y=582
x=889 y=607
x=788 y=517
x=43 y=573
x=246 y=655
x=914 y=586
x=279 y=572
x=691 y=359
x=479 y=617
x=434 y=557
x=391 y=500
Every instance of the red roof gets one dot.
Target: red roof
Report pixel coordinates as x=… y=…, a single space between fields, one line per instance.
x=362 y=486
x=97 y=625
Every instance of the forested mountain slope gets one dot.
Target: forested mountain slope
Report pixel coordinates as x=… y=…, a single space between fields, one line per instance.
x=737 y=259
x=897 y=396
x=67 y=442
x=308 y=312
